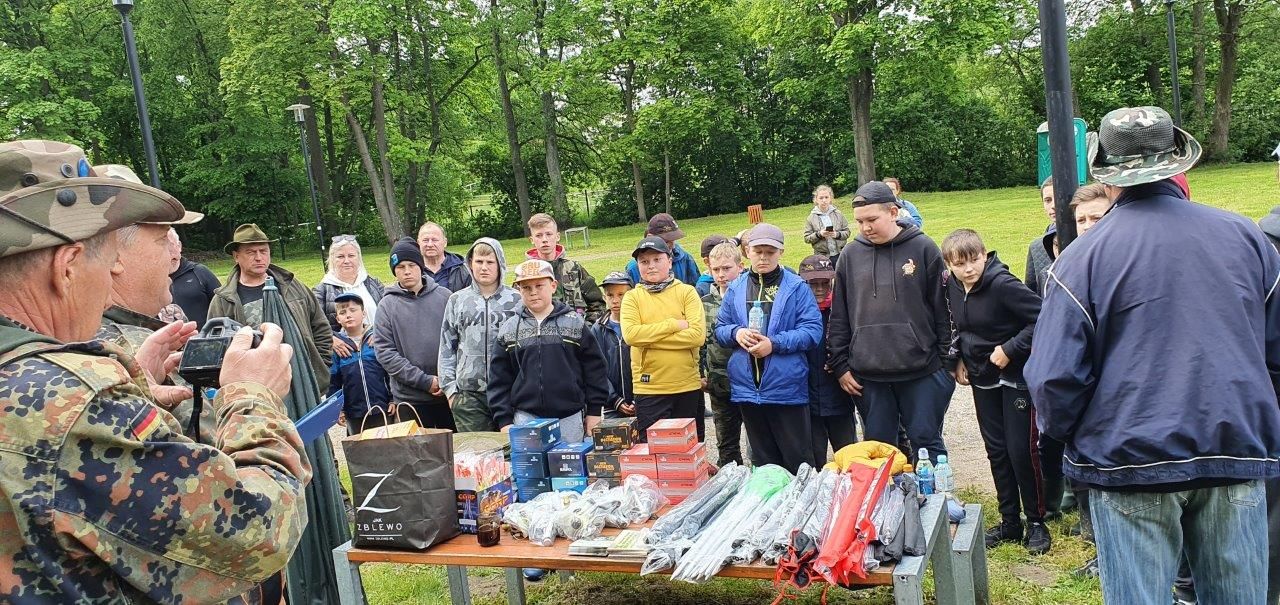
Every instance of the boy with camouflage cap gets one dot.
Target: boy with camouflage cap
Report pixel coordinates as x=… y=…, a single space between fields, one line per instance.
x=547 y=363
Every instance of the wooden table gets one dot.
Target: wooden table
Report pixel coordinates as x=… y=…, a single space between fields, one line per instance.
x=906 y=577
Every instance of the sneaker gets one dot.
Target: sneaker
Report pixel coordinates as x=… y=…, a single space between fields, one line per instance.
x=534 y=574
x=1006 y=531
x=1088 y=570
x=1038 y=540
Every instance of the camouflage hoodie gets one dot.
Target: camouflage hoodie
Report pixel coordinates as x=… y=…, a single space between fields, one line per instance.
x=470 y=329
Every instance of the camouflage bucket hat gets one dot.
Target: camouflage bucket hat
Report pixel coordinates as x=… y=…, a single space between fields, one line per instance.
x=1136 y=145
x=248 y=233
x=50 y=196
x=120 y=171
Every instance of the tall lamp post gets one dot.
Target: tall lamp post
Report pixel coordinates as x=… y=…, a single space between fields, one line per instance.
x=1057 y=93
x=1173 y=64
x=300 y=116
x=139 y=97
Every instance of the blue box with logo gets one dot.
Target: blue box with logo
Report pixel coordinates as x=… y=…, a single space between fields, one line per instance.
x=537 y=435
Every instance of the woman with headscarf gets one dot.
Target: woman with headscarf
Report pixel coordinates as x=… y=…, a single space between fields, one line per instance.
x=347 y=274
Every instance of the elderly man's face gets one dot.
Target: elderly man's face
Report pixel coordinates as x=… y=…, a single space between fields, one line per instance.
x=143 y=286
x=253 y=259
x=432 y=242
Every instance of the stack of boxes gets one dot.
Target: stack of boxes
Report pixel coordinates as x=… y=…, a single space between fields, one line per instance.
x=567 y=463
x=612 y=437
x=679 y=461
x=530 y=445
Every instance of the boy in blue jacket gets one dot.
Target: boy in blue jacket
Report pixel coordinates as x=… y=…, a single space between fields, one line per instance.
x=994 y=317
x=769 y=370
x=830 y=408
x=363 y=382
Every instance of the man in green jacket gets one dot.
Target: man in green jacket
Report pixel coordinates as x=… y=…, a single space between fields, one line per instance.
x=241 y=297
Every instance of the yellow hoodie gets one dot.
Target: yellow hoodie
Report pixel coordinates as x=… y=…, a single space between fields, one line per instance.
x=664 y=358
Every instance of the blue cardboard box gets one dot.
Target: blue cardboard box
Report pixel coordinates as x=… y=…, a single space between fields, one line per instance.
x=528 y=489
x=577 y=484
x=569 y=459
x=528 y=465
x=537 y=435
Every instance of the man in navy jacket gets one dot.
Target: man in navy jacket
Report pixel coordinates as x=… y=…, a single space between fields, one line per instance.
x=1156 y=359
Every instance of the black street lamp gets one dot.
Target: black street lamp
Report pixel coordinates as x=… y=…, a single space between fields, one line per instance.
x=139 y=97
x=1057 y=93
x=1173 y=64
x=300 y=116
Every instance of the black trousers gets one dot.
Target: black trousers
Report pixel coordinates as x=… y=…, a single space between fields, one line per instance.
x=1051 y=460
x=434 y=415
x=652 y=408
x=1007 y=422
x=728 y=421
x=837 y=430
x=779 y=434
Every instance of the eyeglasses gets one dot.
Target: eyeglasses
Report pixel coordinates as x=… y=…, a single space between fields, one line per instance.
x=339 y=239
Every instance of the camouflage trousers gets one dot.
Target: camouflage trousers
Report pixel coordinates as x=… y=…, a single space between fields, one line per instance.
x=728 y=421
x=471 y=412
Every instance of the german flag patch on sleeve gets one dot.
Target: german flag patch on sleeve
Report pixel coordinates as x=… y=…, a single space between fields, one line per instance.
x=147 y=422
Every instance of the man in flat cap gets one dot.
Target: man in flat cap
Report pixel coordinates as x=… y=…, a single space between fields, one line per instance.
x=102 y=499
x=241 y=297
x=1156 y=359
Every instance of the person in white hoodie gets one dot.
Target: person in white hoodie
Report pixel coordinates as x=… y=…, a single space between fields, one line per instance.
x=347 y=274
x=469 y=335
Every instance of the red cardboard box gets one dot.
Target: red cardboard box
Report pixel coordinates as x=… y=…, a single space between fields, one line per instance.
x=678 y=489
x=685 y=465
x=638 y=461
x=672 y=435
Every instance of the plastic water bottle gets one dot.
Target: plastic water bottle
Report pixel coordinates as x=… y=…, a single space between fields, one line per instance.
x=944 y=481
x=755 y=319
x=924 y=473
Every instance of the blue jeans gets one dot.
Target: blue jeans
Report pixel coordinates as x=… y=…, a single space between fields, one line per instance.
x=1222 y=529
x=918 y=405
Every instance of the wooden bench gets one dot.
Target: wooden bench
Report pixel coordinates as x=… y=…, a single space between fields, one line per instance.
x=461 y=552
x=569 y=233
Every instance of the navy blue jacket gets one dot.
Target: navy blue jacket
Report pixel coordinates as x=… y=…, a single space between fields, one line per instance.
x=794 y=326
x=617 y=361
x=1156 y=357
x=682 y=266
x=363 y=382
x=453 y=274
x=826 y=398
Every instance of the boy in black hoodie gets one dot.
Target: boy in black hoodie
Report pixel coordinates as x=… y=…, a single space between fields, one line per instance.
x=889 y=329
x=994 y=317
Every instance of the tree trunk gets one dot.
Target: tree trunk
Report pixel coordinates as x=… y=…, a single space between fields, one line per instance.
x=1197 y=59
x=559 y=201
x=380 y=139
x=666 y=178
x=861 y=86
x=509 y=116
x=1228 y=14
x=390 y=218
x=637 y=182
x=629 y=111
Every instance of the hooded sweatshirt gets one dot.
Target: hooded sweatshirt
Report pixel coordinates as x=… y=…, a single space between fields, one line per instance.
x=574 y=285
x=999 y=311
x=888 y=315
x=468 y=338
x=406 y=338
x=550 y=369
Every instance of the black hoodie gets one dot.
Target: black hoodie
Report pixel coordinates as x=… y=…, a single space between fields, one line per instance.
x=998 y=311
x=888 y=315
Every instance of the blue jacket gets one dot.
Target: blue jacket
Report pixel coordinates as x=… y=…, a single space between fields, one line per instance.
x=453 y=274
x=705 y=281
x=682 y=266
x=617 y=360
x=1156 y=357
x=363 y=382
x=913 y=211
x=794 y=326
x=826 y=398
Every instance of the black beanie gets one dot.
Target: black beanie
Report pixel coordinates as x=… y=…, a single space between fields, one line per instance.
x=405 y=249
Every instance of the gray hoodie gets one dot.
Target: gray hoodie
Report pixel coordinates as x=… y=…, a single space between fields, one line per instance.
x=470 y=332
x=406 y=339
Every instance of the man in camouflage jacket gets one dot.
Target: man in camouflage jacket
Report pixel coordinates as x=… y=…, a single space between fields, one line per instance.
x=102 y=500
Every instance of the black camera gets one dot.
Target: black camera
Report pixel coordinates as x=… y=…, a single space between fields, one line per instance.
x=202 y=357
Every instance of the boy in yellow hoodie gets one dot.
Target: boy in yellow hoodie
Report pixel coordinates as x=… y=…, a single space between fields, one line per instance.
x=663 y=322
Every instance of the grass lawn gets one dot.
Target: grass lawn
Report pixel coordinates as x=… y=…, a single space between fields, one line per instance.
x=1007 y=219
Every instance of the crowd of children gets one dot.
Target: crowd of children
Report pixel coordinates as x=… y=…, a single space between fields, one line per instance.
x=874 y=329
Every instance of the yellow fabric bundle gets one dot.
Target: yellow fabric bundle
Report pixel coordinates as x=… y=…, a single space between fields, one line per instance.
x=869 y=453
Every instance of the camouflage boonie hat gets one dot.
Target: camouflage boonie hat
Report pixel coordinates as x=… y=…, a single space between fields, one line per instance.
x=120 y=171
x=534 y=269
x=617 y=278
x=50 y=196
x=1136 y=145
